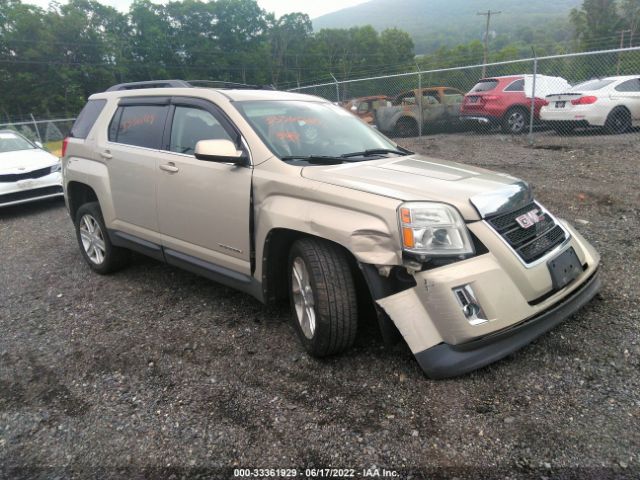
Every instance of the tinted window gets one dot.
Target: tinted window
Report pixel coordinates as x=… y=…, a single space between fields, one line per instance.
x=517 y=86
x=139 y=125
x=190 y=125
x=632 y=85
x=484 y=86
x=86 y=119
x=592 y=85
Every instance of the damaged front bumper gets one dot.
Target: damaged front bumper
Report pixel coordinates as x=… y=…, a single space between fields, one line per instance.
x=517 y=304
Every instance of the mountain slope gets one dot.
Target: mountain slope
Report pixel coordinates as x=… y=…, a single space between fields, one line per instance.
x=432 y=23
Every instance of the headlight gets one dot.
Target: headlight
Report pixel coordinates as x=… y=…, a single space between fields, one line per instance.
x=433 y=229
x=56 y=168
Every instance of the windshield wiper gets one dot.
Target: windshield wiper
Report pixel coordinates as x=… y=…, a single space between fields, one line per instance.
x=315 y=159
x=378 y=151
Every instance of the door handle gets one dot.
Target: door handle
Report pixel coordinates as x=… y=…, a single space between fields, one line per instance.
x=169 y=167
x=106 y=155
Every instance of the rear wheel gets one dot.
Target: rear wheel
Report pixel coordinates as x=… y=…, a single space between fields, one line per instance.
x=618 y=121
x=323 y=297
x=515 y=120
x=95 y=245
x=406 y=127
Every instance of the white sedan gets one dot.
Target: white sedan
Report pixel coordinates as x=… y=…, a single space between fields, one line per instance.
x=27 y=172
x=611 y=102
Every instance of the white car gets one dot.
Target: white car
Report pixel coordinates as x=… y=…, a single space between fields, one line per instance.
x=27 y=171
x=611 y=102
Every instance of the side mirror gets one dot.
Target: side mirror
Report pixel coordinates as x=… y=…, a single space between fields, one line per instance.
x=354 y=108
x=39 y=144
x=223 y=151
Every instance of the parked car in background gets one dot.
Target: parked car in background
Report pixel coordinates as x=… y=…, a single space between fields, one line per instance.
x=612 y=103
x=506 y=101
x=366 y=107
x=27 y=171
x=440 y=107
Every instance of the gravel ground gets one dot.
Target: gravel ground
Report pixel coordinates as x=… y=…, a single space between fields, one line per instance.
x=156 y=373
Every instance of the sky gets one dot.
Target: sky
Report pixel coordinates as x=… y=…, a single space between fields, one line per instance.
x=314 y=8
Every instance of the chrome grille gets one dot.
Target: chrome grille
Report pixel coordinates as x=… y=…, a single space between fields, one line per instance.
x=529 y=243
x=14 y=177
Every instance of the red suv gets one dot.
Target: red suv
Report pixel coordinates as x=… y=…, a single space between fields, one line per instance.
x=500 y=101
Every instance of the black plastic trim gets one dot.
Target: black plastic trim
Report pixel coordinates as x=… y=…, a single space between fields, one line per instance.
x=132 y=101
x=122 y=239
x=444 y=360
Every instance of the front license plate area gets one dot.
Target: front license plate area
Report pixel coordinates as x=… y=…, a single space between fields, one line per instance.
x=564 y=268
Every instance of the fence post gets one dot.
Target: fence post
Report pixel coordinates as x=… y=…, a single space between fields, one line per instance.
x=35 y=124
x=337 y=88
x=419 y=102
x=533 y=97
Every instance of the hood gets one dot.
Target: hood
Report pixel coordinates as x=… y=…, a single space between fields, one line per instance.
x=418 y=177
x=22 y=161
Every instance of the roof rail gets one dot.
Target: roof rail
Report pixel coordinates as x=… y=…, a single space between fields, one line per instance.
x=186 y=84
x=225 y=84
x=150 y=84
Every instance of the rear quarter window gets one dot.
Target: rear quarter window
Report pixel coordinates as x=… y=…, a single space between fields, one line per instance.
x=87 y=118
x=484 y=86
x=139 y=125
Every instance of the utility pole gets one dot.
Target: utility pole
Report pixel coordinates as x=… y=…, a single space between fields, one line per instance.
x=487 y=14
x=622 y=32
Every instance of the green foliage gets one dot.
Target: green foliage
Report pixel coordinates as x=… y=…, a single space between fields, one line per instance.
x=52 y=60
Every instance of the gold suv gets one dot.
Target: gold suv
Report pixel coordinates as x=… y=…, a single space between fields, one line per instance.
x=283 y=195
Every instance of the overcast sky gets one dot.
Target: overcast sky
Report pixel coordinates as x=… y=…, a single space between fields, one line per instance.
x=314 y=8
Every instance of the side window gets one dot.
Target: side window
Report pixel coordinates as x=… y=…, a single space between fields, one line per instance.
x=139 y=125
x=190 y=125
x=430 y=98
x=363 y=107
x=632 y=85
x=86 y=119
x=517 y=86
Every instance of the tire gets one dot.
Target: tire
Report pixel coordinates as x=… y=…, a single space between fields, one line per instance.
x=515 y=120
x=406 y=127
x=95 y=245
x=618 y=121
x=325 y=317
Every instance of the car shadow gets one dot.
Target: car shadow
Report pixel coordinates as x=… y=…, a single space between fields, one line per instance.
x=31 y=208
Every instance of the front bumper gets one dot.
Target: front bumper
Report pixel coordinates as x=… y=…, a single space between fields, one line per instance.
x=30 y=190
x=444 y=360
x=510 y=293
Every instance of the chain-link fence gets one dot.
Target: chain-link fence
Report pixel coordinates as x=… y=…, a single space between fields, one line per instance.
x=591 y=93
x=49 y=133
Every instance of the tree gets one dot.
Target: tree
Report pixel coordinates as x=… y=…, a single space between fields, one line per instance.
x=596 y=24
x=630 y=10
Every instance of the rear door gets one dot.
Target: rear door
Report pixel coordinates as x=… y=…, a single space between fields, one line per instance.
x=203 y=206
x=130 y=153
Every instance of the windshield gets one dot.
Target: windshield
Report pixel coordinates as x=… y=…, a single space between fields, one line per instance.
x=11 y=142
x=592 y=85
x=293 y=128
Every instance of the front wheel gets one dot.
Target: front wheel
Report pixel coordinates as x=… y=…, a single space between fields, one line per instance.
x=96 y=247
x=323 y=297
x=406 y=127
x=515 y=121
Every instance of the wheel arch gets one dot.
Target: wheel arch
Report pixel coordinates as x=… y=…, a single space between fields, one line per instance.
x=78 y=194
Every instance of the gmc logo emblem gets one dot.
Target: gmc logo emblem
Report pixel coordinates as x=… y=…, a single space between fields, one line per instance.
x=529 y=219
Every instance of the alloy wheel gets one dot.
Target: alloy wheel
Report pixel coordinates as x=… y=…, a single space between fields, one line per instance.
x=92 y=239
x=303 y=297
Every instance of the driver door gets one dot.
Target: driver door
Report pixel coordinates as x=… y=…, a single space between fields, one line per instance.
x=203 y=206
